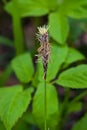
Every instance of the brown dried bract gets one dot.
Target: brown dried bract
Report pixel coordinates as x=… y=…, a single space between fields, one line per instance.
x=44 y=49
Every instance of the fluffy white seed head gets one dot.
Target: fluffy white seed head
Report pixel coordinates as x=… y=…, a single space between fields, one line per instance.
x=42 y=30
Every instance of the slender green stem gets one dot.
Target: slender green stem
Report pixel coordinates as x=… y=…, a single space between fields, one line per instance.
x=17 y=30
x=45 y=101
x=18 y=34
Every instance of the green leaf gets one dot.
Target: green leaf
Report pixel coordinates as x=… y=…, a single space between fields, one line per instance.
x=14 y=102
x=28 y=8
x=75 y=77
x=9 y=7
x=36 y=7
x=75 y=8
x=81 y=124
x=58 y=27
x=53 y=5
x=32 y=8
x=5 y=41
x=74 y=107
x=57 y=58
x=52 y=106
x=23 y=67
x=39 y=75
x=73 y=56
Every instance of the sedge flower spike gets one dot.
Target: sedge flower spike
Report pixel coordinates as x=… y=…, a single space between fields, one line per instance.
x=44 y=49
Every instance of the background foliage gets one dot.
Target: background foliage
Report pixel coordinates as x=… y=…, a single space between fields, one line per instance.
x=22 y=105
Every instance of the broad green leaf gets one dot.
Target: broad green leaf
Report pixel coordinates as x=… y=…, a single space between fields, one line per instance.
x=81 y=124
x=36 y=7
x=74 y=107
x=28 y=8
x=5 y=41
x=73 y=56
x=32 y=8
x=53 y=5
x=51 y=103
x=75 y=77
x=75 y=8
x=11 y=8
x=14 y=102
x=23 y=67
x=58 y=27
x=39 y=75
x=57 y=57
